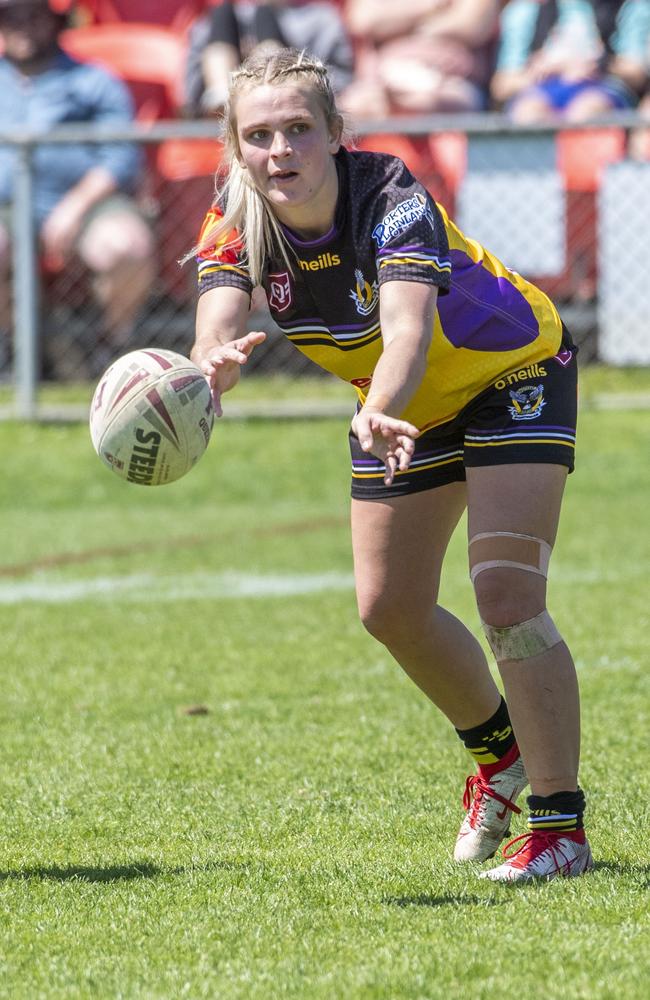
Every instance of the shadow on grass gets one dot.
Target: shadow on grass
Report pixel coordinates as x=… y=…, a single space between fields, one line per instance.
x=623 y=868
x=435 y=901
x=615 y=868
x=110 y=873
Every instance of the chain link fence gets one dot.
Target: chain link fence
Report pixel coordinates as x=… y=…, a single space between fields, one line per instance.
x=569 y=209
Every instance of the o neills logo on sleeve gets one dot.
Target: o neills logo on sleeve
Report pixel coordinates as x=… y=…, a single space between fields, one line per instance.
x=142 y=464
x=323 y=260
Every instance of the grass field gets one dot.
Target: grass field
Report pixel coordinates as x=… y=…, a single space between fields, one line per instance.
x=215 y=784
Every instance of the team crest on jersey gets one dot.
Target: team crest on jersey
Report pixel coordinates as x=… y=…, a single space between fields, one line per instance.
x=364 y=295
x=402 y=217
x=527 y=402
x=280 y=297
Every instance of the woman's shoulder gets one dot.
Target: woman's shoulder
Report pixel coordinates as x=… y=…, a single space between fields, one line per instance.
x=371 y=173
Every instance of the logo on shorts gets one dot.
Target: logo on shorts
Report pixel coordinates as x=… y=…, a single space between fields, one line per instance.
x=280 y=291
x=364 y=295
x=532 y=371
x=527 y=402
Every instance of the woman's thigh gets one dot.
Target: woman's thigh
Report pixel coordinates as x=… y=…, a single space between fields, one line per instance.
x=399 y=545
x=524 y=498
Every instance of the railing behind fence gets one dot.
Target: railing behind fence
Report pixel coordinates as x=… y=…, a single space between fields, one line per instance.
x=568 y=208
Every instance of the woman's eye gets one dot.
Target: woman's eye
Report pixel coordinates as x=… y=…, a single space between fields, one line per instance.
x=299 y=128
x=258 y=135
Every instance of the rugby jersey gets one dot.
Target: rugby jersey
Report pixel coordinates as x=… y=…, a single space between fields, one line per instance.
x=387 y=227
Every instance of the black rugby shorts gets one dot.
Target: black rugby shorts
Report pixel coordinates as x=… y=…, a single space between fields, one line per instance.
x=528 y=415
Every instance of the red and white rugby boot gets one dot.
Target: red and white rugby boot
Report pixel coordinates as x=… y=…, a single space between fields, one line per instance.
x=489 y=799
x=544 y=855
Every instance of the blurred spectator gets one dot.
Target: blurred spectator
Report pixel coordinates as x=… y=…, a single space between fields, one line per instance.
x=81 y=192
x=571 y=60
x=221 y=39
x=639 y=139
x=423 y=56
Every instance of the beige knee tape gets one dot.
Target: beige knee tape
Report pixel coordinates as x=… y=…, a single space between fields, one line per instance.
x=519 y=642
x=514 y=551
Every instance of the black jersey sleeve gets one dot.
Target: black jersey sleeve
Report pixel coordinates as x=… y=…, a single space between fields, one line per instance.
x=220 y=261
x=406 y=227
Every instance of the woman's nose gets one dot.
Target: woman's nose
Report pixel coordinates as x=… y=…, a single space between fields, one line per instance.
x=280 y=145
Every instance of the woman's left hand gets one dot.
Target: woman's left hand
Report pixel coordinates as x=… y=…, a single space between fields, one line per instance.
x=388 y=438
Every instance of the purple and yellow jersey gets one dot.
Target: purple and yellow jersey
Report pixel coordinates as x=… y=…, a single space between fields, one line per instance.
x=489 y=320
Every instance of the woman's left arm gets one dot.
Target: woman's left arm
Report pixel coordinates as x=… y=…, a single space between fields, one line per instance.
x=407 y=310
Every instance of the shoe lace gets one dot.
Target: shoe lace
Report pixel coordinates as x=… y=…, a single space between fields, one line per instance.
x=476 y=788
x=535 y=842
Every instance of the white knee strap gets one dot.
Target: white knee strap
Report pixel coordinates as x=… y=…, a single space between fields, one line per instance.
x=512 y=550
x=519 y=642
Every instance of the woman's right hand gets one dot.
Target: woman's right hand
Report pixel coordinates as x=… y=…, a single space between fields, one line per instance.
x=221 y=364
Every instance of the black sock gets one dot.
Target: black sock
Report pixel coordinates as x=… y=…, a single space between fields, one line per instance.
x=560 y=812
x=491 y=741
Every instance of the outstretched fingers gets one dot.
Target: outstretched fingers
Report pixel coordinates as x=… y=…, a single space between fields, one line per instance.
x=389 y=438
x=221 y=365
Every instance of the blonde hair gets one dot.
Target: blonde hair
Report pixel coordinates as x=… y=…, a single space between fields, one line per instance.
x=245 y=208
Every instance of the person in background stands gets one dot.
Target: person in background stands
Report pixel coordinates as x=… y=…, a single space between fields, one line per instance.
x=81 y=192
x=571 y=60
x=231 y=31
x=422 y=56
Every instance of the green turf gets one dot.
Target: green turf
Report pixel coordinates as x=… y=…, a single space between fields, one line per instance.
x=596 y=380
x=293 y=840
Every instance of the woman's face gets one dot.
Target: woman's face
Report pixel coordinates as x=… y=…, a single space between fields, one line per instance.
x=287 y=148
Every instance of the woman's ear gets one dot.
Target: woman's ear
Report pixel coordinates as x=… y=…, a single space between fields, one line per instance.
x=336 y=133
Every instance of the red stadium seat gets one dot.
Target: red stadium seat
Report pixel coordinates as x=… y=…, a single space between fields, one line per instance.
x=175 y=14
x=583 y=155
x=148 y=57
x=449 y=156
x=182 y=159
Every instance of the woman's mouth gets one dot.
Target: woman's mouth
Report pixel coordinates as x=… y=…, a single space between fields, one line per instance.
x=284 y=175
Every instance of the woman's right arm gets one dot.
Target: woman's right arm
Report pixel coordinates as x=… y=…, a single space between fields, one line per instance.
x=221 y=343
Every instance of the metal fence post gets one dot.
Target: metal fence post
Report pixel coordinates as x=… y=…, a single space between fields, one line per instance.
x=26 y=287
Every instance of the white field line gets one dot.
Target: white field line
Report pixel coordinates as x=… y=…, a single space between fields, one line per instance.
x=149 y=587
x=45 y=588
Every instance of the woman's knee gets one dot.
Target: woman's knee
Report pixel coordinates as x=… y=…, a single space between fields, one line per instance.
x=507 y=596
x=387 y=618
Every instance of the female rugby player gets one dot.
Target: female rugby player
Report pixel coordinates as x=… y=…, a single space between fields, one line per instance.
x=466 y=384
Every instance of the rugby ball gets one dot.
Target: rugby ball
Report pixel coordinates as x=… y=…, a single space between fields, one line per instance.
x=151 y=416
